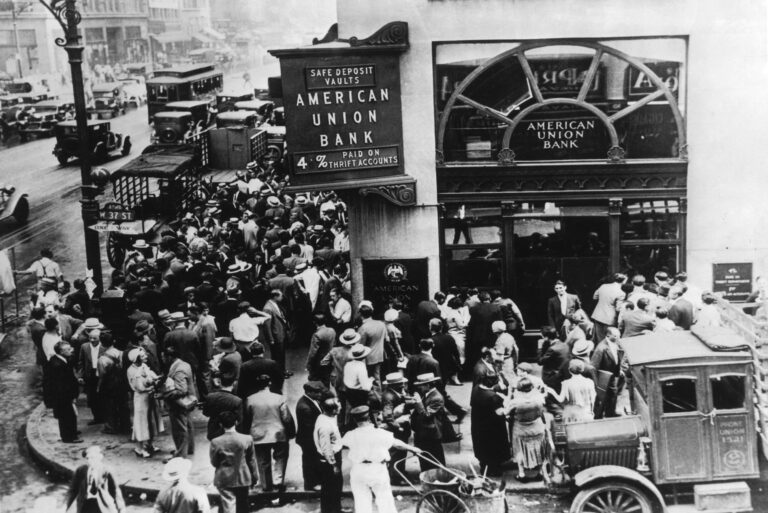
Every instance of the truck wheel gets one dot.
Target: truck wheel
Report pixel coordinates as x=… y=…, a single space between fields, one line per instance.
x=612 y=497
x=116 y=250
x=21 y=212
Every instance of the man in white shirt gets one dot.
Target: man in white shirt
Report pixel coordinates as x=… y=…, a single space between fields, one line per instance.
x=51 y=337
x=328 y=444
x=44 y=267
x=245 y=327
x=340 y=310
x=369 y=453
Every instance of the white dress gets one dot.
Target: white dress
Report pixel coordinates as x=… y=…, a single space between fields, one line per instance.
x=578 y=393
x=147 y=422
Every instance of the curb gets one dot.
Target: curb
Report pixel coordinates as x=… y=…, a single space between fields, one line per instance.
x=133 y=492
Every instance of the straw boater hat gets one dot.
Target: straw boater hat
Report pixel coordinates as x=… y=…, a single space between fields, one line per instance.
x=301 y=266
x=301 y=200
x=92 y=323
x=359 y=352
x=394 y=378
x=349 y=338
x=498 y=326
x=176 y=468
x=252 y=165
x=177 y=317
x=273 y=201
x=423 y=379
x=581 y=348
x=141 y=244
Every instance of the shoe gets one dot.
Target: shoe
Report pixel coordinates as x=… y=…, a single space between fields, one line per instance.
x=75 y=441
x=454 y=381
x=522 y=479
x=141 y=454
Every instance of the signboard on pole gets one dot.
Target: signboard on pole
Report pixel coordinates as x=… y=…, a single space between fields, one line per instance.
x=733 y=281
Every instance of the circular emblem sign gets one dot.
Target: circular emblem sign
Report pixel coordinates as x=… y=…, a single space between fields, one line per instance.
x=395 y=272
x=735 y=459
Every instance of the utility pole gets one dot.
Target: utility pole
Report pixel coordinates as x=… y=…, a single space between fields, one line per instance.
x=16 y=40
x=69 y=18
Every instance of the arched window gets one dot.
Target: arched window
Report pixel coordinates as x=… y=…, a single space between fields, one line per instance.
x=563 y=100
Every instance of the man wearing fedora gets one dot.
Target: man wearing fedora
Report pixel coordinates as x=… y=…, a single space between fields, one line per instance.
x=357 y=383
x=319 y=345
x=335 y=361
x=373 y=334
x=307 y=411
x=182 y=339
x=395 y=410
x=429 y=422
x=181 y=495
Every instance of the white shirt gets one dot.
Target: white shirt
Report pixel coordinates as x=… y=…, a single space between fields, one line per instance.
x=369 y=444
x=94 y=354
x=50 y=340
x=327 y=437
x=564 y=304
x=311 y=279
x=45 y=267
x=356 y=375
x=244 y=328
x=342 y=310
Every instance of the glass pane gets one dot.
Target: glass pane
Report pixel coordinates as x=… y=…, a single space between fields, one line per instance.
x=479 y=267
x=472 y=135
x=679 y=395
x=649 y=132
x=561 y=237
x=560 y=71
x=467 y=224
x=728 y=392
x=656 y=219
x=647 y=260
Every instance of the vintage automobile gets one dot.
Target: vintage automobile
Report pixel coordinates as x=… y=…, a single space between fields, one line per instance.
x=135 y=90
x=263 y=108
x=152 y=190
x=171 y=127
x=43 y=116
x=12 y=112
x=100 y=137
x=14 y=204
x=228 y=100
x=237 y=118
x=199 y=110
x=692 y=429
x=108 y=100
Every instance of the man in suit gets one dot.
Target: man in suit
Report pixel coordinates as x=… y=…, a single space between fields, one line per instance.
x=373 y=334
x=554 y=364
x=561 y=306
x=404 y=323
x=320 y=344
x=271 y=426
x=180 y=373
x=428 y=419
x=425 y=311
x=608 y=297
x=220 y=401
x=680 y=309
x=87 y=367
x=64 y=391
x=445 y=352
x=484 y=367
x=637 y=321
x=233 y=456
x=609 y=362
x=256 y=366
x=422 y=363
x=94 y=487
x=489 y=427
x=479 y=332
x=279 y=330
x=182 y=339
x=307 y=410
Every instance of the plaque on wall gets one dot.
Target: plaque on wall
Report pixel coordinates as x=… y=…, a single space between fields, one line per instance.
x=733 y=281
x=387 y=279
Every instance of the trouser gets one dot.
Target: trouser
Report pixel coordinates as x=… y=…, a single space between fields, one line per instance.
x=234 y=500
x=600 y=331
x=94 y=401
x=277 y=353
x=181 y=431
x=395 y=465
x=371 y=478
x=310 y=466
x=374 y=371
x=452 y=406
x=67 y=417
x=116 y=410
x=331 y=484
x=433 y=447
x=202 y=378
x=265 y=453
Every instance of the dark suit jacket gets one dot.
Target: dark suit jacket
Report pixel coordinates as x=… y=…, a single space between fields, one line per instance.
x=278 y=324
x=479 y=333
x=254 y=368
x=681 y=313
x=85 y=362
x=233 y=457
x=427 y=417
x=404 y=323
x=420 y=364
x=108 y=493
x=479 y=371
x=603 y=360
x=217 y=403
x=307 y=412
x=635 y=322
x=554 y=363
x=447 y=355
x=63 y=385
x=425 y=311
x=555 y=314
x=186 y=343
x=489 y=430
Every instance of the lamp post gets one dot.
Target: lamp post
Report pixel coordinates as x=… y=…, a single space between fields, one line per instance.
x=69 y=18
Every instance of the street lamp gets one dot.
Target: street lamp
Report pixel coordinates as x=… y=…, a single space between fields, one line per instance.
x=65 y=12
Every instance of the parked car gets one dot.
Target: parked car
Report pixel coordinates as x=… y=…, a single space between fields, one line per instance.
x=228 y=101
x=135 y=90
x=237 y=118
x=108 y=100
x=100 y=138
x=199 y=110
x=171 y=127
x=263 y=108
x=12 y=112
x=43 y=116
x=13 y=204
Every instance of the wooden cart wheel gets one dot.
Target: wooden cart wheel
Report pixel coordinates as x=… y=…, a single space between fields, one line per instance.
x=441 y=501
x=116 y=250
x=612 y=497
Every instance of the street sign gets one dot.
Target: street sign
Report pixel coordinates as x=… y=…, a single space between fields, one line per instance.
x=734 y=281
x=117 y=213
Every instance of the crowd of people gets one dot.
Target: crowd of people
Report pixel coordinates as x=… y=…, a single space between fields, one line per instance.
x=207 y=315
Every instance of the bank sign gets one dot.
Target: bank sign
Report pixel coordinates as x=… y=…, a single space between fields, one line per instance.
x=343 y=116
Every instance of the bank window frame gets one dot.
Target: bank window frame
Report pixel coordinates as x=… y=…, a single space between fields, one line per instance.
x=505 y=156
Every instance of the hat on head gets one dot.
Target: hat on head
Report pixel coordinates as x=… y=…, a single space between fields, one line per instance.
x=187 y=290
x=581 y=347
x=212 y=203
x=140 y=244
x=273 y=201
x=498 y=326
x=349 y=337
x=252 y=165
x=359 y=352
x=92 y=323
x=243 y=305
x=391 y=315
x=142 y=326
x=301 y=200
x=234 y=269
x=177 y=317
x=234 y=220
x=245 y=267
x=133 y=354
x=360 y=411
x=163 y=314
x=315 y=387
x=319 y=228
x=176 y=468
x=301 y=266
x=365 y=303
x=225 y=344
x=423 y=379
x=394 y=378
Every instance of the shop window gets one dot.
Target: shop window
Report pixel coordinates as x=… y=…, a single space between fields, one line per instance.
x=650 y=220
x=464 y=224
x=647 y=259
x=479 y=267
x=728 y=392
x=678 y=395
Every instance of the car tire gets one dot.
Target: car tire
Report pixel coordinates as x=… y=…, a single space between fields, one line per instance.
x=126 y=146
x=613 y=497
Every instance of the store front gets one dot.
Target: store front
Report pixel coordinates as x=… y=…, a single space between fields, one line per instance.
x=559 y=160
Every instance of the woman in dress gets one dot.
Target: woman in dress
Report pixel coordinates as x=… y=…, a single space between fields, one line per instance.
x=529 y=439
x=577 y=394
x=456 y=322
x=146 y=417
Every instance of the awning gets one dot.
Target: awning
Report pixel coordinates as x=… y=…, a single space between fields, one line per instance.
x=399 y=189
x=203 y=38
x=215 y=34
x=170 y=37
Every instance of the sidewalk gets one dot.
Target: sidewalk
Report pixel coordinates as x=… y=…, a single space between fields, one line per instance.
x=143 y=476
